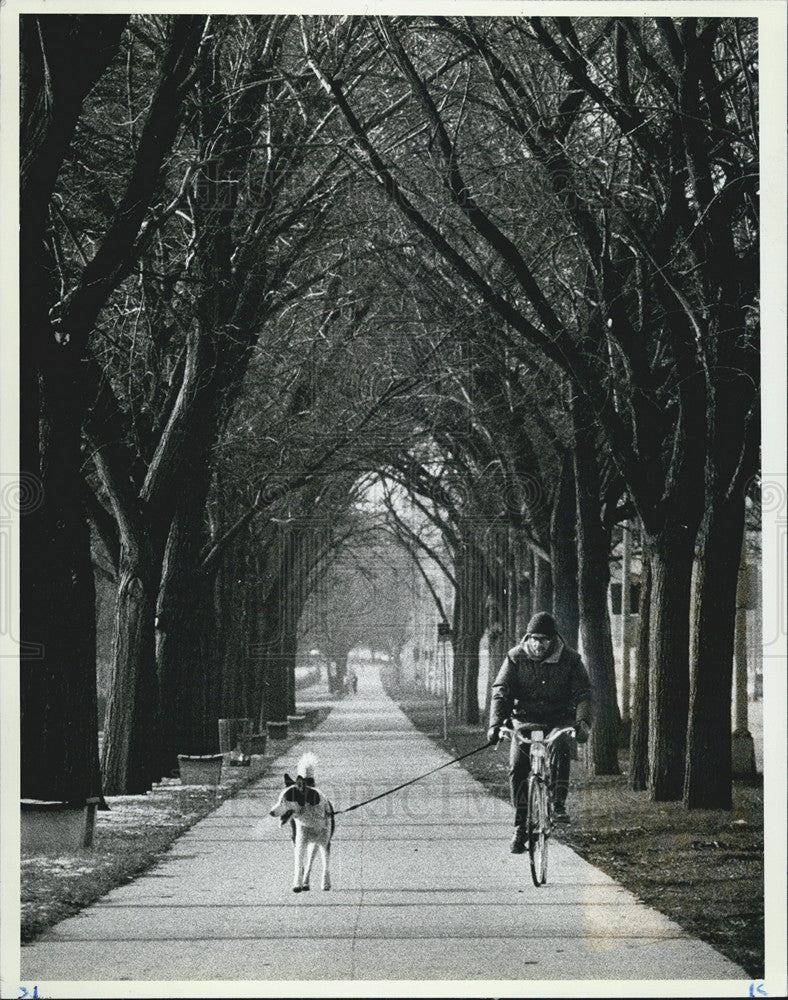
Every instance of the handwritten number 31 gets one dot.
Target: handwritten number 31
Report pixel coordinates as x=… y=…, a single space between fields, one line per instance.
x=24 y=993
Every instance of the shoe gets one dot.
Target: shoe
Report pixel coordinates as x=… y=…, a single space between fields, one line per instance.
x=517 y=845
x=560 y=815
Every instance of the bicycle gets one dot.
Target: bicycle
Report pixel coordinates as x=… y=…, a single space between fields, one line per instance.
x=540 y=791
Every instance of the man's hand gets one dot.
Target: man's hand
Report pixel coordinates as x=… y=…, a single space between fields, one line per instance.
x=582 y=732
x=494 y=734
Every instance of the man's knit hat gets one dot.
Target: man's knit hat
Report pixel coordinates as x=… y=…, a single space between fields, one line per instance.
x=541 y=624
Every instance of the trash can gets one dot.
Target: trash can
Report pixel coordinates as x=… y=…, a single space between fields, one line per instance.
x=54 y=826
x=201 y=770
x=276 y=730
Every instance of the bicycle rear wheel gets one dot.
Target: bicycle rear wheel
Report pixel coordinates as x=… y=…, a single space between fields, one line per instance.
x=538 y=830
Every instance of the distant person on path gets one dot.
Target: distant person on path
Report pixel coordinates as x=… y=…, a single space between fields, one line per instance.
x=542 y=681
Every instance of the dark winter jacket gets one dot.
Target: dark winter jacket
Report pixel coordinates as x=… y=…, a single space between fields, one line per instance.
x=555 y=691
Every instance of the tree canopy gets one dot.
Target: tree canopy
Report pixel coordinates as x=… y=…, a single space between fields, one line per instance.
x=506 y=268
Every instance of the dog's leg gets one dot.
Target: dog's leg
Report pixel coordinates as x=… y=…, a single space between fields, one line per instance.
x=310 y=854
x=298 y=850
x=325 y=853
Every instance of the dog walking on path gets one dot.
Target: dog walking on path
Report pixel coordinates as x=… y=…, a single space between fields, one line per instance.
x=311 y=818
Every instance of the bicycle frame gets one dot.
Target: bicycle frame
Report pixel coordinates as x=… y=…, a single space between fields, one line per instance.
x=540 y=747
x=540 y=791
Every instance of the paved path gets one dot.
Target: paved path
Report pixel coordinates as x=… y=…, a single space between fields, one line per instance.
x=424 y=889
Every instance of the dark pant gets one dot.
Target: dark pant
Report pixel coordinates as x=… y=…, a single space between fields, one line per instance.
x=520 y=768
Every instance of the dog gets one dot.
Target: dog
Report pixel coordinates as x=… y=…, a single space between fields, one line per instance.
x=311 y=818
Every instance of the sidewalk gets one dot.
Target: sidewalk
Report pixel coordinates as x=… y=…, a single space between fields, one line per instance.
x=424 y=888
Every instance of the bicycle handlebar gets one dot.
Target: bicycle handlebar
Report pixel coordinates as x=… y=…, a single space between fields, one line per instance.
x=508 y=731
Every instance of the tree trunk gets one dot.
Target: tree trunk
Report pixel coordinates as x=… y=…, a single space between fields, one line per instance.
x=289 y=649
x=250 y=650
x=211 y=676
x=130 y=755
x=232 y=603
x=593 y=550
x=279 y=653
x=498 y=641
x=543 y=584
x=465 y=647
x=341 y=668
x=258 y=654
x=708 y=773
x=563 y=552
x=707 y=780
x=190 y=682
x=638 y=741
x=498 y=647
x=626 y=563
x=469 y=626
x=59 y=724
x=734 y=419
x=271 y=671
x=240 y=667
x=58 y=655
x=276 y=684
x=512 y=601
x=523 y=608
x=184 y=609
x=672 y=552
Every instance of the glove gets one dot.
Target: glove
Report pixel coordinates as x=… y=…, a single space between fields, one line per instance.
x=494 y=734
x=582 y=732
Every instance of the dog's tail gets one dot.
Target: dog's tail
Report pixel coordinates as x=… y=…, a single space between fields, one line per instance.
x=306 y=767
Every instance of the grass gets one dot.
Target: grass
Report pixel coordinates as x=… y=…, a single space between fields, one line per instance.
x=701 y=868
x=129 y=840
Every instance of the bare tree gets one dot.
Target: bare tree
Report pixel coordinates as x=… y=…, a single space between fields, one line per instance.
x=63 y=57
x=651 y=257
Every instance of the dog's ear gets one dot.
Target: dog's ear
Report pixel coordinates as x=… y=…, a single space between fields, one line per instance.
x=288 y=781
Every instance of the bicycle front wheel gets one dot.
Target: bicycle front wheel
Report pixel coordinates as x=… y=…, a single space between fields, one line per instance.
x=538 y=830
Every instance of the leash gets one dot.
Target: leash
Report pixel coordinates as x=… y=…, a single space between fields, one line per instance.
x=413 y=781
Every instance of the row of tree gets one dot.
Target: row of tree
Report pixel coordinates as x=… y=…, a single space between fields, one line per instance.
x=509 y=264
x=641 y=139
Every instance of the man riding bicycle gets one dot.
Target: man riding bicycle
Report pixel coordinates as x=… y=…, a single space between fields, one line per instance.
x=542 y=682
